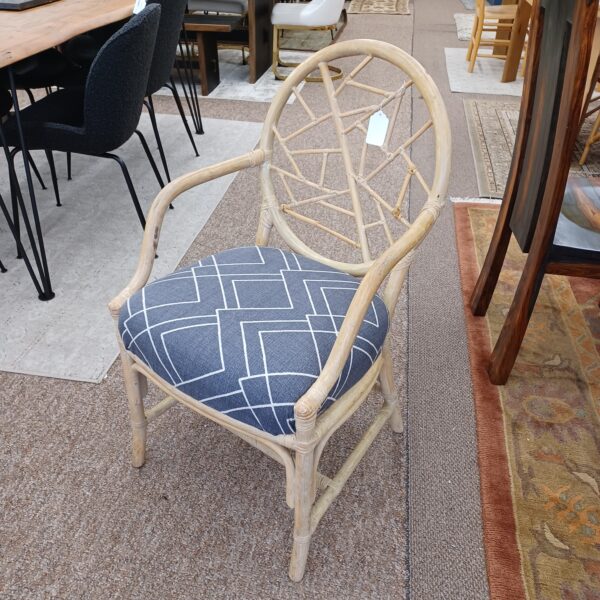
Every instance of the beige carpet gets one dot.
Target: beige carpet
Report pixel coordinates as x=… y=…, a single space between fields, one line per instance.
x=389 y=7
x=492 y=126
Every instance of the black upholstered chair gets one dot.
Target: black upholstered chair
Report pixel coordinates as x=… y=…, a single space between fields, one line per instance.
x=70 y=68
x=97 y=119
x=171 y=20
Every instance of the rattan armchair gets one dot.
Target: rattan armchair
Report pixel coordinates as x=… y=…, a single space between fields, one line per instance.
x=287 y=395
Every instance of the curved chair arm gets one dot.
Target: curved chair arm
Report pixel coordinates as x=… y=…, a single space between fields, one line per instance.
x=307 y=407
x=157 y=212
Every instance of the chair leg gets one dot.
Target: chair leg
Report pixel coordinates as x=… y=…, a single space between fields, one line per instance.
x=53 y=174
x=303 y=501
x=14 y=190
x=173 y=89
x=135 y=385
x=134 y=198
x=476 y=43
x=192 y=98
x=30 y=96
x=69 y=154
x=150 y=158
x=150 y=106
x=473 y=33
x=388 y=387
x=35 y=170
x=590 y=140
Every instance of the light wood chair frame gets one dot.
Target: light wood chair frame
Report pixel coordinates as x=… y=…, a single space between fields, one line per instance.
x=485 y=20
x=300 y=452
x=278 y=30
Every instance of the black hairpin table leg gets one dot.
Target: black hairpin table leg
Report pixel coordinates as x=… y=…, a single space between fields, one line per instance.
x=187 y=62
x=36 y=239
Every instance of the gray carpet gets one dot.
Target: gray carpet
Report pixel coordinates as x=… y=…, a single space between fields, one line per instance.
x=91 y=263
x=445 y=535
x=206 y=518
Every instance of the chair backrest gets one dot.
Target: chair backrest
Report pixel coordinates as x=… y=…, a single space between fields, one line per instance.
x=116 y=84
x=167 y=38
x=322 y=12
x=331 y=195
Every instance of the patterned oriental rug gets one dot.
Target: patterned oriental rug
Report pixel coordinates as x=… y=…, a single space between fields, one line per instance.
x=492 y=126
x=539 y=435
x=390 y=7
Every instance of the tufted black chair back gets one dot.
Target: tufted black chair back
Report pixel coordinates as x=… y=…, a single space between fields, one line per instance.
x=167 y=38
x=117 y=81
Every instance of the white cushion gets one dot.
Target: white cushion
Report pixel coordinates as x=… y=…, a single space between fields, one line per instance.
x=318 y=13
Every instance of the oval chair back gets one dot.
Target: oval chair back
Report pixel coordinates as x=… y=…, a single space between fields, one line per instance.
x=116 y=84
x=370 y=212
x=167 y=37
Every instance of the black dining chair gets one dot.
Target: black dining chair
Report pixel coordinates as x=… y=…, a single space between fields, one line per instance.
x=96 y=119
x=167 y=39
x=68 y=68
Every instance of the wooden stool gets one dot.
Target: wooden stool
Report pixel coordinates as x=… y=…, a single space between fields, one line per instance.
x=494 y=19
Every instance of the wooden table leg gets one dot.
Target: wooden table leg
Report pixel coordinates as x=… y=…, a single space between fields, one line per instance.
x=517 y=41
x=208 y=61
x=260 y=34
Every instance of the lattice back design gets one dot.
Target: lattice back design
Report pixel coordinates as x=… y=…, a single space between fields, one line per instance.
x=333 y=196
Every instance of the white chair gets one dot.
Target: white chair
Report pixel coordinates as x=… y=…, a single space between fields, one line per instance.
x=234 y=7
x=282 y=348
x=315 y=15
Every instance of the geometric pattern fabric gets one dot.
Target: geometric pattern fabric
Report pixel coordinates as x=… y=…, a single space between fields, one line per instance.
x=247 y=331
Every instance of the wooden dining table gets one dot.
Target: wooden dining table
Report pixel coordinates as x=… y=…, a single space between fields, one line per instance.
x=22 y=35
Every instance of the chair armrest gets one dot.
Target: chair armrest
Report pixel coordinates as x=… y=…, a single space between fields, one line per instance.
x=308 y=406
x=157 y=212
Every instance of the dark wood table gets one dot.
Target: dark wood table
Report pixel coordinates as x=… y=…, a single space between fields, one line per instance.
x=258 y=37
x=208 y=29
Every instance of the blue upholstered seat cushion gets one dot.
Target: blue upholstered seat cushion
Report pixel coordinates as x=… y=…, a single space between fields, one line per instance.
x=247 y=331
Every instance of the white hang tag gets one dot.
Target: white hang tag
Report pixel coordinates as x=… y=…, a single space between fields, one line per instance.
x=378 y=126
x=140 y=5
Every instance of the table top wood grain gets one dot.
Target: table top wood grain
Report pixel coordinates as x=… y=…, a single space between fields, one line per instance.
x=27 y=32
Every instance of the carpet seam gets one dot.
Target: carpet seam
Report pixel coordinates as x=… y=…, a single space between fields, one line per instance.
x=408 y=554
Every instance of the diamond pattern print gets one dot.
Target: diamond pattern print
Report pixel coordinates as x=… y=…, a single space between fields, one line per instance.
x=247 y=331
